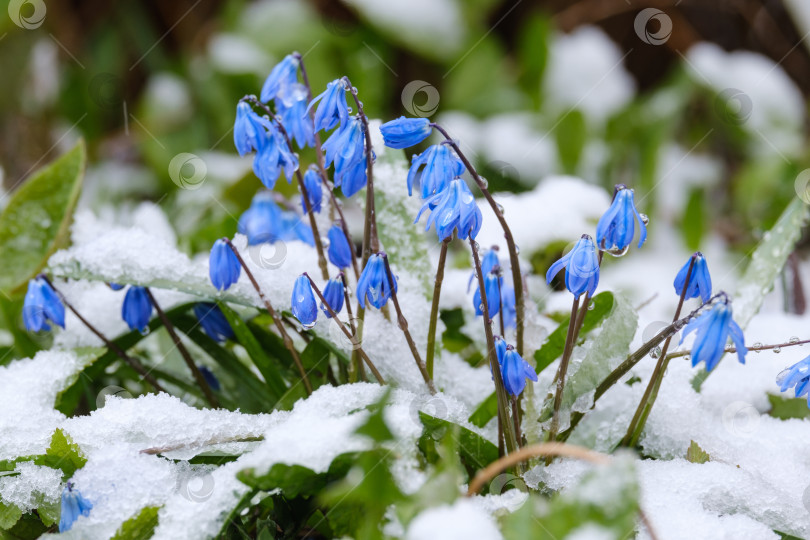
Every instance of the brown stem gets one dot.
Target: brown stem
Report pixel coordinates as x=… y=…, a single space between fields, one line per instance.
x=288 y=343
x=516 y=420
x=355 y=338
x=195 y=371
x=563 y=369
x=434 y=309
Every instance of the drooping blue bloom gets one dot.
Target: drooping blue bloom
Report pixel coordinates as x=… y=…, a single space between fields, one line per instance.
x=339 y=252
x=346 y=149
x=373 y=284
x=73 y=505
x=405 y=132
x=116 y=286
x=514 y=371
x=492 y=285
x=453 y=209
x=700 y=282
x=714 y=327
x=312 y=183
x=508 y=307
x=210 y=378
x=352 y=180
x=303 y=302
x=500 y=349
x=333 y=107
x=223 y=266
x=272 y=158
x=284 y=74
x=797 y=377
x=616 y=229
x=249 y=129
x=213 y=321
x=488 y=263
x=439 y=165
x=291 y=105
x=262 y=222
x=294 y=228
x=42 y=304
x=137 y=309
x=333 y=293
x=581 y=267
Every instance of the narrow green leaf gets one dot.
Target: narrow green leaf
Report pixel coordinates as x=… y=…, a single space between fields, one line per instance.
x=485 y=412
x=571 y=134
x=476 y=452
x=693 y=223
x=140 y=526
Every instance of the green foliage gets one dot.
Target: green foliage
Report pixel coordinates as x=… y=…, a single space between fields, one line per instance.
x=695 y=454
x=475 y=451
x=571 y=135
x=141 y=525
x=693 y=224
x=9 y=515
x=786 y=408
x=62 y=454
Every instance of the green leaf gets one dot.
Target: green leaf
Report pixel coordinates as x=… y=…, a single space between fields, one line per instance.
x=786 y=408
x=375 y=427
x=571 y=134
x=62 y=454
x=9 y=515
x=695 y=454
x=475 y=451
x=297 y=480
x=485 y=412
x=141 y=525
x=37 y=219
x=693 y=223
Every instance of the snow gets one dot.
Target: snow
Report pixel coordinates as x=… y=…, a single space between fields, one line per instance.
x=460 y=521
x=32 y=487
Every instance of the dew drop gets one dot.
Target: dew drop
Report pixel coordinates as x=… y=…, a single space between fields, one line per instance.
x=616 y=252
x=777 y=350
x=687 y=358
x=477 y=246
x=308 y=326
x=481 y=307
x=756 y=347
x=484 y=183
x=644 y=219
x=793 y=340
x=656 y=352
x=517 y=249
x=145 y=331
x=499 y=206
x=591 y=306
x=325 y=242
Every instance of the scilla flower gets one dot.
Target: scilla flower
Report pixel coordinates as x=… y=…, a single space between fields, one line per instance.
x=453 y=209
x=439 y=165
x=73 y=506
x=249 y=129
x=581 y=267
x=223 y=266
x=345 y=147
x=262 y=222
x=616 y=228
x=137 y=309
x=514 y=371
x=492 y=285
x=488 y=263
x=796 y=376
x=353 y=179
x=700 y=282
x=312 y=183
x=41 y=305
x=303 y=302
x=405 y=132
x=714 y=327
x=272 y=158
x=373 y=284
x=293 y=228
x=508 y=307
x=213 y=321
x=333 y=293
x=210 y=378
x=285 y=73
x=291 y=105
x=339 y=252
x=332 y=107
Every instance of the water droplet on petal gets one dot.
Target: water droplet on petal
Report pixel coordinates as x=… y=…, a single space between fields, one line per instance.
x=616 y=252
x=644 y=219
x=308 y=326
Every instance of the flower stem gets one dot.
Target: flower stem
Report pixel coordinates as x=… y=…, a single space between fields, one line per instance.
x=516 y=419
x=403 y=325
x=275 y=316
x=134 y=363
x=500 y=391
x=520 y=306
x=355 y=338
x=434 y=309
x=563 y=369
x=195 y=371
x=346 y=331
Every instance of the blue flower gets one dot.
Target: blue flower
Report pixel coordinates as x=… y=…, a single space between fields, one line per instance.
x=345 y=147
x=353 y=179
x=508 y=307
x=796 y=376
x=303 y=302
x=284 y=74
x=291 y=105
x=249 y=129
x=42 y=304
x=116 y=286
x=293 y=228
x=714 y=327
x=488 y=263
x=333 y=293
x=615 y=229
x=339 y=252
x=332 y=108
x=453 y=209
x=73 y=505
x=312 y=183
x=213 y=321
x=137 y=309
x=700 y=282
x=440 y=166
x=582 y=267
x=272 y=158
x=500 y=349
x=210 y=378
x=492 y=285
x=514 y=371
x=404 y=132
x=373 y=284
x=262 y=222
x=223 y=266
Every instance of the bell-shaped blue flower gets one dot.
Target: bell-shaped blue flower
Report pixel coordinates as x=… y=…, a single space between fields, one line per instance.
x=488 y=263
x=210 y=378
x=353 y=179
x=291 y=105
x=714 y=327
x=73 y=506
x=284 y=74
x=453 y=209
x=405 y=132
x=294 y=228
x=332 y=107
x=515 y=370
x=263 y=221
x=312 y=183
x=508 y=307
x=249 y=129
x=223 y=266
x=339 y=252
x=581 y=267
x=303 y=302
x=137 y=309
x=345 y=147
x=797 y=377
x=42 y=304
x=333 y=293
x=373 y=284
x=213 y=321
x=492 y=285
x=700 y=282
x=616 y=228
x=272 y=158
x=439 y=165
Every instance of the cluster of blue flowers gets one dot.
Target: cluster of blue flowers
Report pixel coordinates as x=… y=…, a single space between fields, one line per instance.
x=500 y=295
